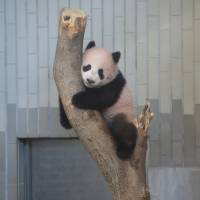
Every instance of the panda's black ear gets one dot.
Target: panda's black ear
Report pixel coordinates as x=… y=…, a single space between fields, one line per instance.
x=90 y=45
x=116 y=56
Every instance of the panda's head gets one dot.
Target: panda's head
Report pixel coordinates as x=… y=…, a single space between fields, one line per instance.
x=99 y=66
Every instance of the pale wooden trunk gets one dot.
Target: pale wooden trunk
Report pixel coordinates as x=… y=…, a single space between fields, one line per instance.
x=126 y=179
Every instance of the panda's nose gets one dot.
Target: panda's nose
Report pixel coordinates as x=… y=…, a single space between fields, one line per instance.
x=90 y=81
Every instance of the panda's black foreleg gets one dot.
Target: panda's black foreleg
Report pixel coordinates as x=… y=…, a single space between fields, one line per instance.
x=63 y=118
x=82 y=100
x=89 y=100
x=124 y=134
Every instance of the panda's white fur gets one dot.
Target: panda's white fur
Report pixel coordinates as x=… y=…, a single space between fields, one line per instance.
x=123 y=105
x=100 y=58
x=106 y=91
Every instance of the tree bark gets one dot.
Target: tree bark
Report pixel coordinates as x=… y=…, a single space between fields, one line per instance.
x=126 y=179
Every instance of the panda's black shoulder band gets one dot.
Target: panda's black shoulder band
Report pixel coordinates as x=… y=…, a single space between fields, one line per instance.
x=118 y=83
x=105 y=96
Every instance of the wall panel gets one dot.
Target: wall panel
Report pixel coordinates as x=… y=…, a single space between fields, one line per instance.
x=160 y=46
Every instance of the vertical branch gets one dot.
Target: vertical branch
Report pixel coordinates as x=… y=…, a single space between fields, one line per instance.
x=125 y=178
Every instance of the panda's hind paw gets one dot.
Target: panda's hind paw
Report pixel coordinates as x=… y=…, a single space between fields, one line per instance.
x=124 y=150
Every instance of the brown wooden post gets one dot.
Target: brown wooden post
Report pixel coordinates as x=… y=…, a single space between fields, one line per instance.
x=126 y=179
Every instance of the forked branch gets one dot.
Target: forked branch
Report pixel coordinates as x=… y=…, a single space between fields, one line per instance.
x=126 y=179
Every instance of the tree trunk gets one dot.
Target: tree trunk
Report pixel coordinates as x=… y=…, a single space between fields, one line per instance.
x=126 y=179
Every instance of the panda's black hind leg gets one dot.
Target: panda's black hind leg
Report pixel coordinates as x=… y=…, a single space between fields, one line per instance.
x=63 y=117
x=124 y=134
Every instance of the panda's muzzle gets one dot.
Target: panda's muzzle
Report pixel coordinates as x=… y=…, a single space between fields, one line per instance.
x=90 y=81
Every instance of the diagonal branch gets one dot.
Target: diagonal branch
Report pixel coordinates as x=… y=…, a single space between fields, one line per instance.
x=126 y=178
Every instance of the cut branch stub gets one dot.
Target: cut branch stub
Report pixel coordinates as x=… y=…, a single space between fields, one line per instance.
x=145 y=117
x=126 y=179
x=73 y=21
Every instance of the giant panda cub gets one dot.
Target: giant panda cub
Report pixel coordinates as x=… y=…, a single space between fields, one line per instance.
x=106 y=90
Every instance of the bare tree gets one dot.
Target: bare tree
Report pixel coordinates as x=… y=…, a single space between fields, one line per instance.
x=126 y=179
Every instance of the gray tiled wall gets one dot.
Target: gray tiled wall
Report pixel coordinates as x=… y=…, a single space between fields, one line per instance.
x=160 y=45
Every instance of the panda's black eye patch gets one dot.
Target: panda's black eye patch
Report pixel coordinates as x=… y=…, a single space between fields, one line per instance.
x=101 y=75
x=86 y=68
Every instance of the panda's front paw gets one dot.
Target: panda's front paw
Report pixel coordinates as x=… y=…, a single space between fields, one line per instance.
x=77 y=100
